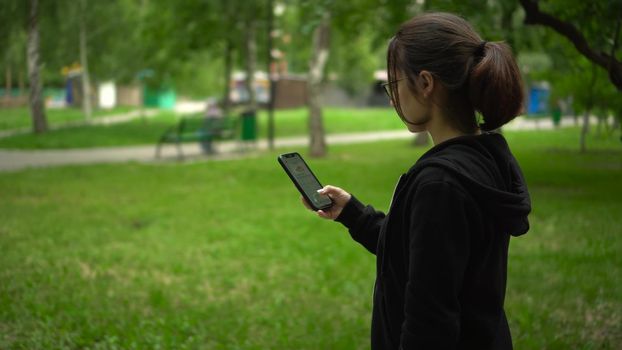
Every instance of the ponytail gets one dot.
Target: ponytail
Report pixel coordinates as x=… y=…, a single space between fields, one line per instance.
x=478 y=76
x=495 y=85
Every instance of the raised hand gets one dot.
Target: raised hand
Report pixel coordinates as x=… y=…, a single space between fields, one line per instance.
x=340 y=199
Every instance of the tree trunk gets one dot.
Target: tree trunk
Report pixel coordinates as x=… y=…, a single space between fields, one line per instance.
x=616 y=124
x=37 y=108
x=271 y=76
x=9 y=82
x=226 y=101
x=251 y=58
x=585 y=129
x=321 y=37
x=86 y=81
x=20 y=82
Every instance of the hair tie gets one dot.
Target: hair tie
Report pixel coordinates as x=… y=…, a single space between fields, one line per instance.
x=480 y=50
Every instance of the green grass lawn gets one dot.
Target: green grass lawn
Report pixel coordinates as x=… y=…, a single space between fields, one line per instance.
x=19 y=117
x=287 y=123
x=336 y=120
x=137 y=131
x=222 y=255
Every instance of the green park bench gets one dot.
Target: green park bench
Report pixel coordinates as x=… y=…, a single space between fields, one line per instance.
x=201 y=129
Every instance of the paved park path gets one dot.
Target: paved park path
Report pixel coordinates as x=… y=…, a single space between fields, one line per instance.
x=12 y=160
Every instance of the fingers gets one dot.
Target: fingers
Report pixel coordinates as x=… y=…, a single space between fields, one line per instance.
x=320 y=213
x=323 y=214
x=338 y=195
x=331 y=191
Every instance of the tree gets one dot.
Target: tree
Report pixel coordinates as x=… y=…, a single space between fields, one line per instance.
x=106 y=30
x=14 y=60
x=229 y=47
x=37 y=108
x=214 y=29
x=250 y=46
x=323 y=18
x=601 y=16
x=86 y=81
x=575 y=78
x=321 y=40
x=57 y=36
x=13 y=42
x=20 y=19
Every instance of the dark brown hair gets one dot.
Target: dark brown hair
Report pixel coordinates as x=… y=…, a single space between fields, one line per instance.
x=477 y=75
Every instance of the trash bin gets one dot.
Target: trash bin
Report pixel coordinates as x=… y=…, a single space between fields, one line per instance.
x=556 y=115
x=249 y=126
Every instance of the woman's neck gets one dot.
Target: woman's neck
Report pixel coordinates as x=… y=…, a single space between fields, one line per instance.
x=441 y=131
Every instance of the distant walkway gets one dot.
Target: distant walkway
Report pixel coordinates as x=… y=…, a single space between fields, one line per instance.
x=104 y=120
x=19 y=159
x=11 y=160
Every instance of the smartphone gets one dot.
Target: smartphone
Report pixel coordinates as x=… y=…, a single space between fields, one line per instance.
x=305 y=180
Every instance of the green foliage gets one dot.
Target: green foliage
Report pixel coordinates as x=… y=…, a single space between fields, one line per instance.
x=178 y=32
x=222 y=255
x=353 y=62
x=493 y=20
x=195 y=76
x=173 y=29
x=574 y=77
x=596 y=20
x=113 y=30
x=183 y=42
x=13 y=20
x=15 y=51
x=295 y=38
x=359 y=30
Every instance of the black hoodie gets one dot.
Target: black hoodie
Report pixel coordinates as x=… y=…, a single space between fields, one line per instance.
x=442 y=248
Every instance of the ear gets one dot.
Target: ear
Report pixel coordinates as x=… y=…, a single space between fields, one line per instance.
x=427 y=83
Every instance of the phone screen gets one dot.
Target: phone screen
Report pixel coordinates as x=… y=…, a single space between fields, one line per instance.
x=305 y=179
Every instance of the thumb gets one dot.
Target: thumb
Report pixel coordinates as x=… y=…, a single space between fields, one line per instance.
x=328 y=190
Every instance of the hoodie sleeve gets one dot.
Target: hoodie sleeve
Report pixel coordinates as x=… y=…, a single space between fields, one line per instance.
x=363 y=223
x=439 y=250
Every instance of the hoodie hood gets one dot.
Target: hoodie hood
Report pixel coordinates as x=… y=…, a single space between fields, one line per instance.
x=486 y=168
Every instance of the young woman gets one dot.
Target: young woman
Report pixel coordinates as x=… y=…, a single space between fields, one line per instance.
x=442 y=248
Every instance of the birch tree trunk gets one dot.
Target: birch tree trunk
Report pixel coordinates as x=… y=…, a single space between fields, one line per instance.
x=585 y=129
x=226 y=101
x=37 y=109
x=321 y=37
x=271 y=85
x=86 y=81
x=8 y=83
x=251 y=59
x=20 y=82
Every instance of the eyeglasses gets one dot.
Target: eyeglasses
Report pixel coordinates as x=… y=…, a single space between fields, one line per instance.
x=387 y=88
